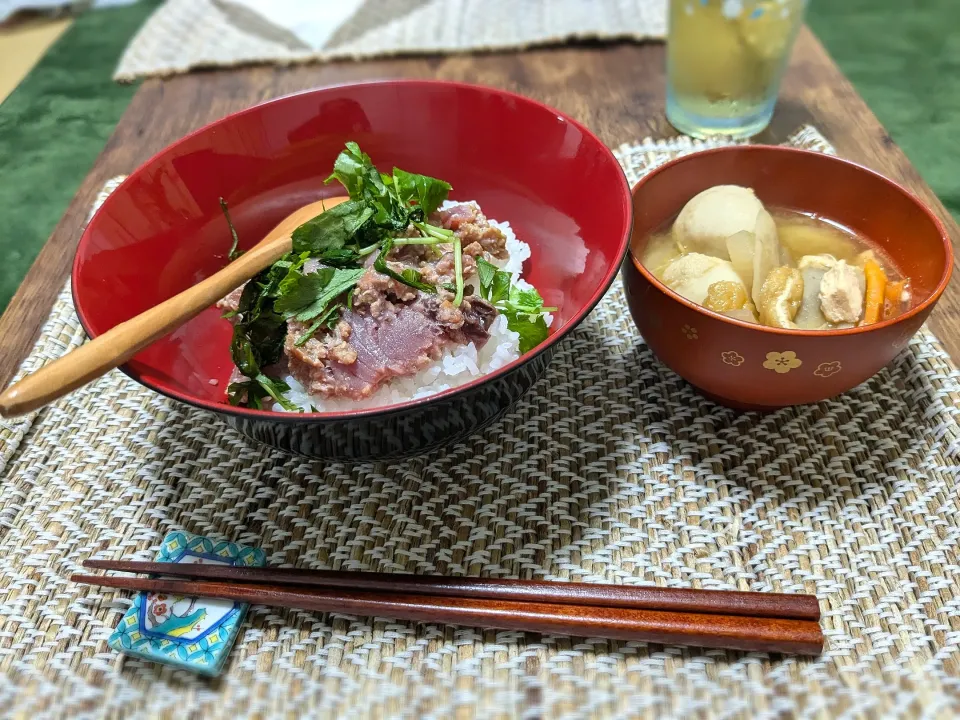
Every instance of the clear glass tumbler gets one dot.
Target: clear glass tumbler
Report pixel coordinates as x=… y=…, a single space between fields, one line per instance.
x=725 y=59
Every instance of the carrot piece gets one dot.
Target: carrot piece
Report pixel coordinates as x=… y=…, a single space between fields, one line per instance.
x=876 y=285
x=891 y=299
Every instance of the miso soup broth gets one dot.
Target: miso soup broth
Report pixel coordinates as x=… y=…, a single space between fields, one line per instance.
x=773 y=266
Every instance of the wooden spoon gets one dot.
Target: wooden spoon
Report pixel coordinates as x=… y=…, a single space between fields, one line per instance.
x=119 y=344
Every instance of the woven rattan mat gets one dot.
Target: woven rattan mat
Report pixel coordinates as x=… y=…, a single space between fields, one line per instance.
x=611 y=469
x=186 y=34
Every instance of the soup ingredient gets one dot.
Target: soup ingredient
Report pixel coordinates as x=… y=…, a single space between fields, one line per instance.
x=861 y=259
x=692 y=275
x=766 y=253
x=780 y=297
x=707 y=220
x=876 y=284
x=745 y=314
x=834 y=290
x=893 y=299
x=660 y=251
x=812 y=269
x=841 y=293
x=725 y=295
x=741 y=247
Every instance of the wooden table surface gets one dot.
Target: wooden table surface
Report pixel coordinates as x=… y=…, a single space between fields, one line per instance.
x=617 y=90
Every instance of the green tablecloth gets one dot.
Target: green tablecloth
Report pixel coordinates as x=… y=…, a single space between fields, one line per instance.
x=902 y=55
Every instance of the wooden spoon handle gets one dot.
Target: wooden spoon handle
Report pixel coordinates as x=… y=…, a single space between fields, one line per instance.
x=122 y=342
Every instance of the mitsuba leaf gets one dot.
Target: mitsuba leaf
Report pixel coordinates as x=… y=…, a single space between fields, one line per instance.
x=266 y=333
x=408 y=276
x=242 y=353
x=532 y=329
x=253 y=392
x=340 y=257
x=427 y=192
x=500 y=289
x=341 y=281
x=523 y=308
x=235 y=393
x=351 y=168
x=364 y=183
x=327 y=319
x=276 y=390
x=332 y=229
x=526 y=301
x=298 y=290
x=486 y=272
x=494 y=282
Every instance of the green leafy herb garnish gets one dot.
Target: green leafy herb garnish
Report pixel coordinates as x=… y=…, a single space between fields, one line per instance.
x=274 y=296
x=329 y=232
x=523 y=308
x=304 y=297
x=381 y=208
x=408 y=276
x=254 y=391
x=533 y=329
x=427 y=192
x=327 y=319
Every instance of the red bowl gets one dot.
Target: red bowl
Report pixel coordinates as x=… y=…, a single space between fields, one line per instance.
x=749 y=366
x=162 y=230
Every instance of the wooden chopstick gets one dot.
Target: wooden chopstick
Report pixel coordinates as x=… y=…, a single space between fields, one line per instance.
x=719 y=602
x=777 y=635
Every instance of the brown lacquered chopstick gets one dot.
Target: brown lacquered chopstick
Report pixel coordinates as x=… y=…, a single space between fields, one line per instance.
x=801 y=637
x=719 y=602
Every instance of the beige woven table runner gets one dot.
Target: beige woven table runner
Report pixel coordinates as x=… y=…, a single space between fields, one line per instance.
x=611 y=469
x=186 y=34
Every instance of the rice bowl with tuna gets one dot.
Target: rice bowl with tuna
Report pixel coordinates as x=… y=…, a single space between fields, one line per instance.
x=393 y=295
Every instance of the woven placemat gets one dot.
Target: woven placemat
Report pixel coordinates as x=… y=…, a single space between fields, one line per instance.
x=611 y=469
x=186 y=34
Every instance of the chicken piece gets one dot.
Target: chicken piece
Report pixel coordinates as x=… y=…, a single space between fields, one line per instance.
x=812 y=269
x=691 y=275
x=725 y=295
x=780 y=297
x=841 y=293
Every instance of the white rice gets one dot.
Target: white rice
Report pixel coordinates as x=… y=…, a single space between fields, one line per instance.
x=457 y=365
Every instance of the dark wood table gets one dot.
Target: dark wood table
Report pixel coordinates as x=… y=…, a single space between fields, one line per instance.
x=617 y=90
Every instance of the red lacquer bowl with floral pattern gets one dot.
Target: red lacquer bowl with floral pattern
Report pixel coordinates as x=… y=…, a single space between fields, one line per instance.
x=752 y=367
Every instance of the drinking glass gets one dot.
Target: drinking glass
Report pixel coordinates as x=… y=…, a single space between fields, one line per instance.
x=725 y=59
